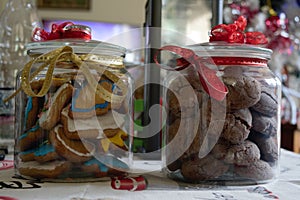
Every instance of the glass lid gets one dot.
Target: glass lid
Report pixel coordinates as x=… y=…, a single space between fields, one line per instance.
x=79 y=46
x=224 y=49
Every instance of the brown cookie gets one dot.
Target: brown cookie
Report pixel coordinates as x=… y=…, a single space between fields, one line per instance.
x=45 y=153
x=107 y=125
x=267 y=105
x=203 y=169
x=105 y=166
x=27 y=155
x=33 y=108
x=243 y=154
x=114 y=145
x=268 y=147
x=56 y=82
x=54 y=104
x=43 y=170
x=243 y=92
x=71 y=150
x=257 y=171
x=239 y=154
x=94 y=166
x=237 y=126
x=83 y=107
x=264 y=124
x=31 y=139
x=185 y=102
x=179 y=146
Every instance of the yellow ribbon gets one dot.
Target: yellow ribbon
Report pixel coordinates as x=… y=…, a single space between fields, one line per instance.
x=84 y=64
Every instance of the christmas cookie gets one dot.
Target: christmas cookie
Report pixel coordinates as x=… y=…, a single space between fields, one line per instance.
x=31 y=139
x=55 y=83
x=33 y=108
x=107 y=125
x=87 y=103
x=94 y=166
x=54 y=104
x=115 y=144
x=44 y=153
x=71 y=150
x=104 y=166
x=38 y=170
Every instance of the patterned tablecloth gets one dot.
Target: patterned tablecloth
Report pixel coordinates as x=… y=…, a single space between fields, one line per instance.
x=287 y=187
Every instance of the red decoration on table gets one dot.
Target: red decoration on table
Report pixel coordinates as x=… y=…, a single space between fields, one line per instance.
x=7 y=198
x=234 y=33
x=6 y=164
x=62 y=31
x=129 y=183
x=208 y=77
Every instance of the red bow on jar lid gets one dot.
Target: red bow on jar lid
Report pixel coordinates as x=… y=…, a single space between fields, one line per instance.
x=62 y=31
x=208 y=77
x=234 y=33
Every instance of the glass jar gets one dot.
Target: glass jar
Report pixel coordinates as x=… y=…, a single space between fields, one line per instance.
x=229 y=139
x=74 y=112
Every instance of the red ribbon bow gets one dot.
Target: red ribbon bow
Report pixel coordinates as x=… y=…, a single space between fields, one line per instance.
x=62 y=31
x=208 y=77
x=234 y=33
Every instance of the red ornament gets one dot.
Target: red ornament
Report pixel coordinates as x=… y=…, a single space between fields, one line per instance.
x=129 y=183
x=281 y=43
x=275 y=24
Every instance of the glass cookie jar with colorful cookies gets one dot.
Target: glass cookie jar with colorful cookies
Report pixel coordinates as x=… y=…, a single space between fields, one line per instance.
x=223 y=110
x=74 y=109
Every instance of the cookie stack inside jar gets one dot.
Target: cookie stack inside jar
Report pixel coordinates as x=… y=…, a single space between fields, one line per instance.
x=73 y=112
x=230 y=140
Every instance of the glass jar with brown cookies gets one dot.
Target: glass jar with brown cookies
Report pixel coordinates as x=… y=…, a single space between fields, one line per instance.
x=222 y=106
x=74 y=112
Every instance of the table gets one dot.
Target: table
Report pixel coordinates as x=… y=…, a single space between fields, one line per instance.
x=287 y=187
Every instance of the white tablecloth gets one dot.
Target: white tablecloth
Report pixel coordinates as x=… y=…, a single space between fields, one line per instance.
x=287 y=187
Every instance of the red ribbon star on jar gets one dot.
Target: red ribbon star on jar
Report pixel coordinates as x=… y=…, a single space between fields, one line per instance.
x=62 y=31
x=234 y=33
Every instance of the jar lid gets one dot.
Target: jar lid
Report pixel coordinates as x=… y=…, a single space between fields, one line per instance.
x=224 y=49
x=79 y=46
